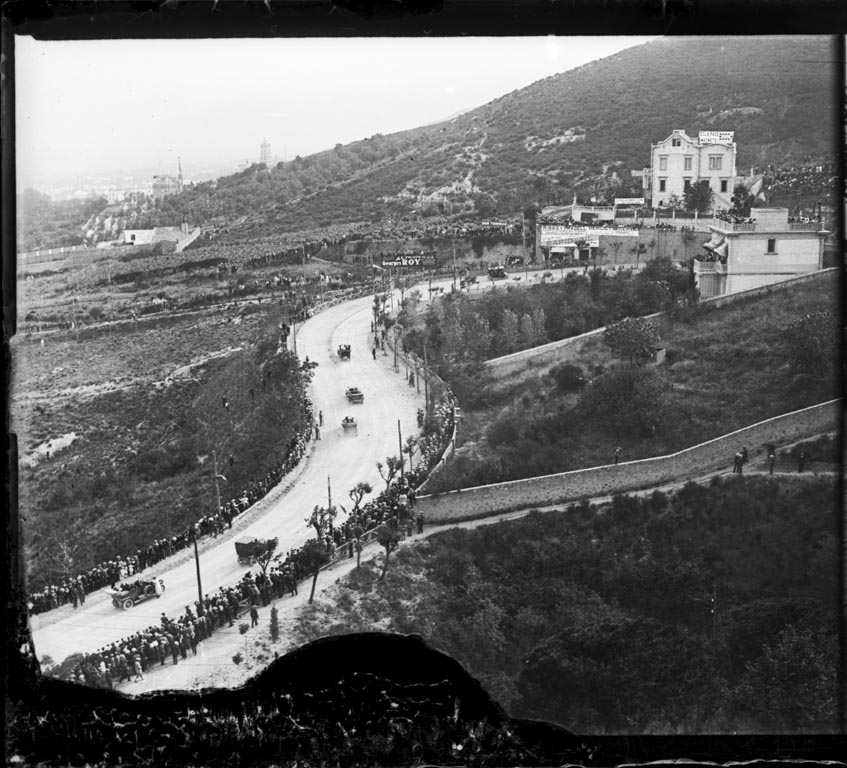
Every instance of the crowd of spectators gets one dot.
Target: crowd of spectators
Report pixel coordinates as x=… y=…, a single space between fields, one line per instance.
x=130 y=658
x=73 y=589
x=811 y=179
x=723 y=214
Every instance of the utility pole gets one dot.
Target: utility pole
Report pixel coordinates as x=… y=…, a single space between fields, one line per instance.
x=197 y=563
x=217 y=488
x=400 y=444
x=426 y=381
x=454 y=263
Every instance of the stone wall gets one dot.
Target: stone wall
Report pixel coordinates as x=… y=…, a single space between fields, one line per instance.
x=714 y=455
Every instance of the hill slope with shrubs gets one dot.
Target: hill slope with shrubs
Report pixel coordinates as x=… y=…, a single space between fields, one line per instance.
x=550 y=139
x=725 y=368
x=602 y=620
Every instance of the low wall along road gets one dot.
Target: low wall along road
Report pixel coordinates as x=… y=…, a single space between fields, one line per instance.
x=716 y=454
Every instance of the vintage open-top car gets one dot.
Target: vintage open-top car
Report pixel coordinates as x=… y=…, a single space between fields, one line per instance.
x=248 y=548
x=130 y=594
x=355 y=395
x=348 y=424
x=344 y=351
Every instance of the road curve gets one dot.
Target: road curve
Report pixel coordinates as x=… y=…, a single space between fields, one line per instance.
x=342 y=459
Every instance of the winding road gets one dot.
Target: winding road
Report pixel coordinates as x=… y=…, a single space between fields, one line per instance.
x=335 y=464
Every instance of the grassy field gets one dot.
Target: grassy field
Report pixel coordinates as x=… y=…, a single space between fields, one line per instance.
x=726 y=368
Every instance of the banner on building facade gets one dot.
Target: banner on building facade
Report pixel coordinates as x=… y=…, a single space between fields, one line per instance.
x=629 y=201
x=409 y=260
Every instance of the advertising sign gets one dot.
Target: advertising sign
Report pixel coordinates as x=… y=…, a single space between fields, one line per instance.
x=629 y=201
x=409 y=260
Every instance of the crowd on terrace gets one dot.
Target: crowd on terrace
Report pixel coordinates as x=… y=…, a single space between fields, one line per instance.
x=131 y=657
x=810 y=179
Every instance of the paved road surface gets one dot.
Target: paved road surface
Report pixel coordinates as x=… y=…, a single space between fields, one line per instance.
x=345 y=459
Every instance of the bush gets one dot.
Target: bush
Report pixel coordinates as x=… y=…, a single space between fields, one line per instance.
x=568 y=377
x=237 y=659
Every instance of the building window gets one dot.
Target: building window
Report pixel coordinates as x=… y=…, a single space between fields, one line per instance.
x=771 y=245
x=724 y=183
x=715 y=163
x=662 y=185
x=687 y=163
x=132 y=237
x=663 y=163
x=676 y=143
x=686 y=184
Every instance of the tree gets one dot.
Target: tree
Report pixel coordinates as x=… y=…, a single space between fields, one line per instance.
x=632 y=337
x=265 y=553
x=357 y=493
x=313 y=557
x=638 y=250
x=742 y=200
x=813 y=342
x=793 y=685
x=699 y=197
x=409 y=448
x=321 y=519
x=616 y=244
x=389 y=470
x=389 y=539
x=507 y=336
x=628 y=400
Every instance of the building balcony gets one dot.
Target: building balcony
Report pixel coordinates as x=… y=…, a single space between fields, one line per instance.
x=730 y=226
x=805 y=226
x=703 y=267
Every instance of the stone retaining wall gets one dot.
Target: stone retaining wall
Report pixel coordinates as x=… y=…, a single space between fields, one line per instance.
x=716 y=454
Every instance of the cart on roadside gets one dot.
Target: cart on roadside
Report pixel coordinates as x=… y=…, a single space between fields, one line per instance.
x=129 y=595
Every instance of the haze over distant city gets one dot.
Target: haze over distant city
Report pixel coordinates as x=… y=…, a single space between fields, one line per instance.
x=105 y=111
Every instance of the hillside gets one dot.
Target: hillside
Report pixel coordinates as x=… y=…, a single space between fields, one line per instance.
x=601 y=618
x=543 y=142
x=726 y=367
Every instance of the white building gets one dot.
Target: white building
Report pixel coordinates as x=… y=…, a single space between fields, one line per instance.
x=767 y=249
x=679 y=162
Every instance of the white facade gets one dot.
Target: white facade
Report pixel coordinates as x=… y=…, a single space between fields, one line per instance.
x=766 y=250
x=681 y=161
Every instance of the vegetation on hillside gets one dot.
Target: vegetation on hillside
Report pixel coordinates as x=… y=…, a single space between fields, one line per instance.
x=46 y=223
x=141 y=465
x=708 y=610
x=725 y=368
x=563 y=135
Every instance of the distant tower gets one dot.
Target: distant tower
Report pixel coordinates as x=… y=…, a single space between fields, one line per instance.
x=265 y=153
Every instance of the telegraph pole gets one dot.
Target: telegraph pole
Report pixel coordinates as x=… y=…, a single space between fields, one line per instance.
x=197 y=563
x=400 y=444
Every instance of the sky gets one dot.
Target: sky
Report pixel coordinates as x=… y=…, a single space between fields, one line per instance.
x=99 y=106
